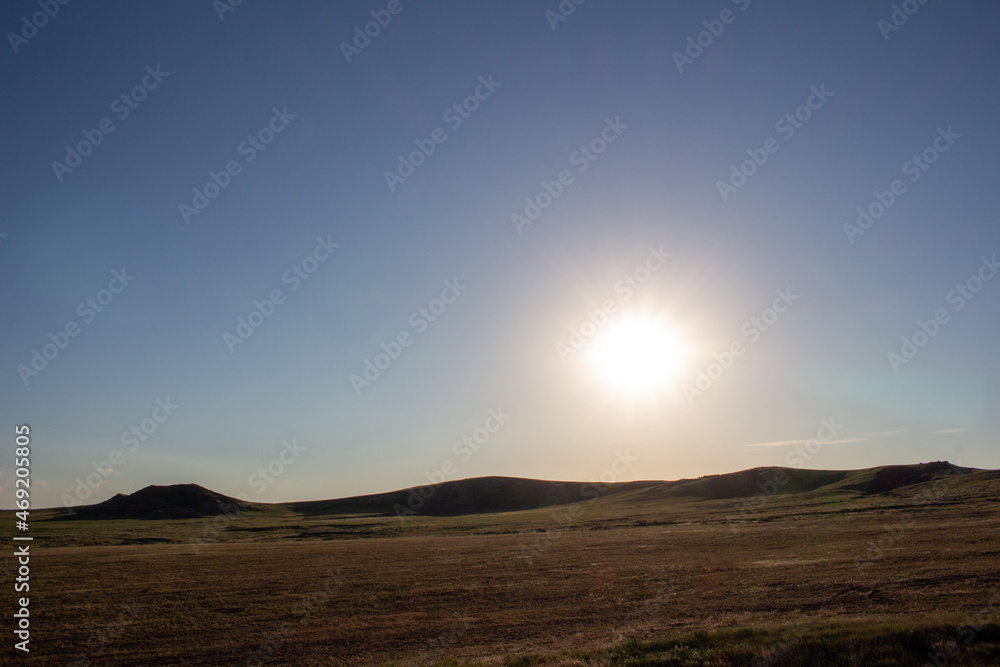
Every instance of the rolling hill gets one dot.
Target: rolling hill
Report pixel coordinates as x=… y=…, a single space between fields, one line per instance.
x=484 y=495
x=176 y=501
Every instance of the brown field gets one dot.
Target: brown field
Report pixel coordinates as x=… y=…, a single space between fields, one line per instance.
x=623 y=580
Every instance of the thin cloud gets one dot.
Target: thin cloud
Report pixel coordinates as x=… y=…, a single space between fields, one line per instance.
x=777 y=443
x=883 y=433
x=785 y=443
x=953 y=430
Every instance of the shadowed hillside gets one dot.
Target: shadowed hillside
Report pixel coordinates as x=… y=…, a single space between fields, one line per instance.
x=748 y=482
x=889 y=478
x=484 y=495
x=465 y=496
x=781 y=481
x=177 y=501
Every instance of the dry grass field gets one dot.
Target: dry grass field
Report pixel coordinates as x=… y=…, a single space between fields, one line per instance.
x=910 y=576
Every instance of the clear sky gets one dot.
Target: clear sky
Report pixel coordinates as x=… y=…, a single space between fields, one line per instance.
x=180 y=164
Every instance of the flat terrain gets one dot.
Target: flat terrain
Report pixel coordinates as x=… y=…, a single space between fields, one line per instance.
x=813 y=577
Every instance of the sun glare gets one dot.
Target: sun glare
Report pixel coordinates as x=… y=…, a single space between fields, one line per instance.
x=637 y=356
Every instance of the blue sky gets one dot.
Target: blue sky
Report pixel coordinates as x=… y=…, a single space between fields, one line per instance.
x=642 y=139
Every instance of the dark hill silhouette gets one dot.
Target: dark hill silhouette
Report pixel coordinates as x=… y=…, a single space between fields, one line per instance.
x=465 y=496
x=177 y=501
x=782 y=481
x=889 y=478
x=510 y=494
x=748 y=482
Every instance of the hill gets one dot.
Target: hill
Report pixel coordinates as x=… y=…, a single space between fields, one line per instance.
x=484 y=495
x=465 y=496
x=176 y=501
x=682 y=572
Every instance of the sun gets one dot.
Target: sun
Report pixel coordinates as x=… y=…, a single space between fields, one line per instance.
x=637 y=355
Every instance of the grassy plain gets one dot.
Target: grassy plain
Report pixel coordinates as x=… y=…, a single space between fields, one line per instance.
x=832 y=576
